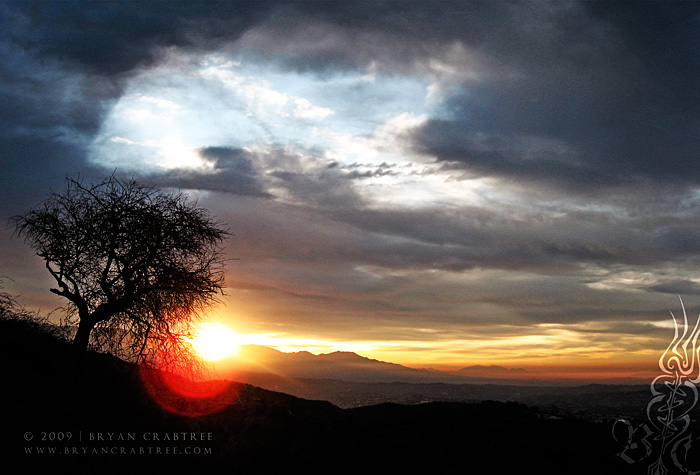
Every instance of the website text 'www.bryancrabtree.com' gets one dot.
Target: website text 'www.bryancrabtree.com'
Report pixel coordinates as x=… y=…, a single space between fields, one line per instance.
x=117 y=443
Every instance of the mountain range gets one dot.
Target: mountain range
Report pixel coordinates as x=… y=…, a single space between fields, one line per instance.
x=351 y=367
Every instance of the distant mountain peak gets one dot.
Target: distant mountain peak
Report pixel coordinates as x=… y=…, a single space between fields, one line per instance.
x=344 y=355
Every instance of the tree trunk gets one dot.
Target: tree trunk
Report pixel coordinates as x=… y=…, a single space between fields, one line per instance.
x=82 y=337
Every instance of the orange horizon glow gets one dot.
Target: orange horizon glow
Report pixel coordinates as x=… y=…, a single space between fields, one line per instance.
x=601 y=350
x=616 y=371
x=570 y=358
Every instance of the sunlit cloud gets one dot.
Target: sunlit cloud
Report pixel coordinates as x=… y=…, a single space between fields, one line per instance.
x=186 y=104
x=220 y=102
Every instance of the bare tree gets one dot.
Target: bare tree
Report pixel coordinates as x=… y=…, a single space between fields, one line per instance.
x=137 y=266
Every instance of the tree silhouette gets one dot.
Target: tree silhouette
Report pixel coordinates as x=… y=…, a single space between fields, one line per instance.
x=137 y=266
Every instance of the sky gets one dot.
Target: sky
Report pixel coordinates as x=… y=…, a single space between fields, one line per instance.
x=428 y=183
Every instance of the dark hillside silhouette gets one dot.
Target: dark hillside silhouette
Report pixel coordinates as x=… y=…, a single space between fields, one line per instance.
x=259 y=431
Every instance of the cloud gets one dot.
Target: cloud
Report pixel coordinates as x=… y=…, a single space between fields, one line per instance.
x=231 y=172
x=579 y=109
x=49 y=115
x=114 y=39
x=678 y=287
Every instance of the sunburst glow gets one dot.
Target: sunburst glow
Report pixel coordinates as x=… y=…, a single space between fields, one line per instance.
x=215 y=341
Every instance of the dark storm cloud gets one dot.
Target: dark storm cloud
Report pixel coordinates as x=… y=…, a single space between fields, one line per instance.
x=232 y=173
x=518 y=158
x=398 y=36
x=614 y=113
x=115 y=37
x=48 y=116
x=677 y=287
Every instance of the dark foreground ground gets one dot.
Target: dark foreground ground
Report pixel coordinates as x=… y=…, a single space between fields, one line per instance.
x=97 y=415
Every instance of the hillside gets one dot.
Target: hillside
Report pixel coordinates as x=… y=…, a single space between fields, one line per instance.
x=103 y=402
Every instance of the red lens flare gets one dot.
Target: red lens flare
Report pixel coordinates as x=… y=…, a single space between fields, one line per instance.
x=183 y=396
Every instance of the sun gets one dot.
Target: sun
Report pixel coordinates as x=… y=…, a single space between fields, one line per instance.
x=215 y=341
